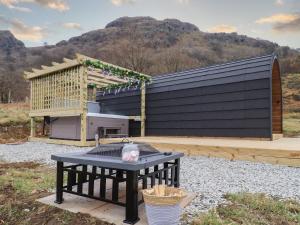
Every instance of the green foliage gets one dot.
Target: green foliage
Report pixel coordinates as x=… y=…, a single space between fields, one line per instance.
x=254 y=209
x=134 y=78
x=210 y=218
x=27 y=180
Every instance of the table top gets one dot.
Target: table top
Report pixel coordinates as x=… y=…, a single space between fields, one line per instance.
x=115 y=163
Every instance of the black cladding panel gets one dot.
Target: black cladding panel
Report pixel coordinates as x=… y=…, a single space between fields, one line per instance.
x=230 y=100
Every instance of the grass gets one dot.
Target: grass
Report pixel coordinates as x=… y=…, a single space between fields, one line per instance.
x=20 y=185
x=28 y=179
x=14 y=123
x=254 y=209
x=12 y=114
x=291 y=124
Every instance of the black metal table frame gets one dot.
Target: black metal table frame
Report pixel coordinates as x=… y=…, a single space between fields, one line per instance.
x=79 y=174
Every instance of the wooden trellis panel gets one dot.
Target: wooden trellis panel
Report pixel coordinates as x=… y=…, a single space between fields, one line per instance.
x=56 y=91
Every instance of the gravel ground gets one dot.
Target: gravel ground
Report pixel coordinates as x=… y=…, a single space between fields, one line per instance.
x=35 y=151
x=209 y=178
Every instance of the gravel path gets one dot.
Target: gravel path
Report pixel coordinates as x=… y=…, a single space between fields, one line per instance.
x=34 y=151
x=209 y=178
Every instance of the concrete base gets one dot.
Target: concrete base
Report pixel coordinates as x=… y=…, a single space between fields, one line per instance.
x=102 y=210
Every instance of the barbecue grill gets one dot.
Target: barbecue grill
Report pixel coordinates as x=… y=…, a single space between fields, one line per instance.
x=105 y=162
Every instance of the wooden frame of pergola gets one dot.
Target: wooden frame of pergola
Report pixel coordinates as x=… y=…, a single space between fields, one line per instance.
x=61 y=90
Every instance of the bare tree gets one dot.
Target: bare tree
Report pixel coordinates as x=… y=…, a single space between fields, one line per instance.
x=131 y=52
x=13 y=88
x=176 y=59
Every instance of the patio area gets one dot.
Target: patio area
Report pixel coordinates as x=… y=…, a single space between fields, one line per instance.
x=284 y=151
x=102 y=210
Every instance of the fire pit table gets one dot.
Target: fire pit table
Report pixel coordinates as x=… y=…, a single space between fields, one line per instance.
x=105 y=162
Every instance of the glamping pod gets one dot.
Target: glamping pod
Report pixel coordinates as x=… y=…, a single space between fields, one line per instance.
x=237 y=99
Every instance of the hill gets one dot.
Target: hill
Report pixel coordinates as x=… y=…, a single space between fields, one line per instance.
x=139 y=43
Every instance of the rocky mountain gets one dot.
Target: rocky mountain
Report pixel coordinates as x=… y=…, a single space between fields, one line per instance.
x=140 y=43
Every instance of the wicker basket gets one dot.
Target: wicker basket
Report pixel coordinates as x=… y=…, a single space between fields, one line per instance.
x=162 y=205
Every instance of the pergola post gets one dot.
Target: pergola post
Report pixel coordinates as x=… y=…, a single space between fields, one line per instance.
x=83 y=104
x=32 y=127
x=94 y=94
x=143 y=108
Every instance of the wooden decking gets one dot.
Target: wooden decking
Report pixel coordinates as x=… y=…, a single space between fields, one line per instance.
x=285 y=151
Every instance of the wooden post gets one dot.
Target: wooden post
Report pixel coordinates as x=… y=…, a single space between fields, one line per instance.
x=143 y=108
x=32 y=127
x=94 y=93
x=83 y=104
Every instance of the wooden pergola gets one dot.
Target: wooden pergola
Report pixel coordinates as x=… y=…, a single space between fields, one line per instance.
x=61 y=90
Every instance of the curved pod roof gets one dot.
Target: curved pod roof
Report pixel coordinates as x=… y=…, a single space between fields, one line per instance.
x=243 y=70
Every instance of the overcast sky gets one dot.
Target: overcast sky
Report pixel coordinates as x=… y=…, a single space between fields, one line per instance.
x=38 y=21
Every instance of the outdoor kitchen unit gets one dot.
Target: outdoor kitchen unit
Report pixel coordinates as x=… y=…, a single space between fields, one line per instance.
x=69 y=128
x=105 y=163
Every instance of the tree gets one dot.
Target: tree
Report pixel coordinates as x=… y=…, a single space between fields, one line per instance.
x=132 y=53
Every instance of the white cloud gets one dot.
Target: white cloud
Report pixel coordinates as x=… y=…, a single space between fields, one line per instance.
x=76 y=26
x=277 y=18
x=282 y=22
x=223 y=28
x=11 y=4
x=22 y=31
x=122 y=2
x=59 y=5
x=293 y=26
x=279 y=2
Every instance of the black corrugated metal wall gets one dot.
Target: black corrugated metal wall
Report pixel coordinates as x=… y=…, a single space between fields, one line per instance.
x=229 y=100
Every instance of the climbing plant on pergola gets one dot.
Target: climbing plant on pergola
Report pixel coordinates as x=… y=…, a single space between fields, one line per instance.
x=62 y=89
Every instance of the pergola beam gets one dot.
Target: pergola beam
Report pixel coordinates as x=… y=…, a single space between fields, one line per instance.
x=56 y=67
x=67 y=60
x=104 y=81
x=98 y=74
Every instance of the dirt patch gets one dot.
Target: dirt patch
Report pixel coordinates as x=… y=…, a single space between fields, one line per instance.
x=19 y=207
x=17 y=134
x=20 y=165
x=13 y=134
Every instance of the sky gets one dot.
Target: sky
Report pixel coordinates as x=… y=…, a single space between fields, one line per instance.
x=36 y=22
